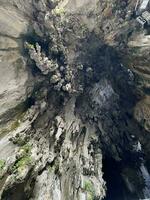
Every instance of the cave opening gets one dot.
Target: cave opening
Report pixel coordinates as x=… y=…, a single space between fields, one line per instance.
x=116 y=188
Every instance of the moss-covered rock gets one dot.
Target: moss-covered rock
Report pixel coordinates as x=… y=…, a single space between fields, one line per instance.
x=24 y=159
x=2 y=165
x=89 y=189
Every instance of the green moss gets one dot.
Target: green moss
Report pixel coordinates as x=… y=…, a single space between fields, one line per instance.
x=59 y=11
x=2 y=165
x=50 y=169
x=89 y=188
x=23 y=162
x=27 y=149
x=25 y=159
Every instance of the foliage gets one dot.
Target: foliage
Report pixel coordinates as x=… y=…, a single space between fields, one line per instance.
x=89 y=188
x=22 y=163
x=2 y=164
x=59 y=11
x=25 y=159
x=26 y=149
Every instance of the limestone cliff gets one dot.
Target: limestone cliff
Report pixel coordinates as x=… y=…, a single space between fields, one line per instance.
x=74 y=101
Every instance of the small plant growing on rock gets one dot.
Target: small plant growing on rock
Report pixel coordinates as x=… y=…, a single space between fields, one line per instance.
x=2 y=165
x=89 y=189
x=58 y=11
x=24 y=158
x=23 y=162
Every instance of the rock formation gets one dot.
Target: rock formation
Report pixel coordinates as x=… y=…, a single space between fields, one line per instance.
x=74 y=101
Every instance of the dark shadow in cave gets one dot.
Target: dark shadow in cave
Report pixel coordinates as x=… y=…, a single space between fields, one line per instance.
x=116 y=189
x=15 y=193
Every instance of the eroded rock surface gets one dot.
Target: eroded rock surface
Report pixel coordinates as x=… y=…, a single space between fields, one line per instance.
x=74 y=92
x=13 y=72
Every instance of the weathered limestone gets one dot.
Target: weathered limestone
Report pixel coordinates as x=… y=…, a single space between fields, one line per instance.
x=84 y=107
x=13 y=72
